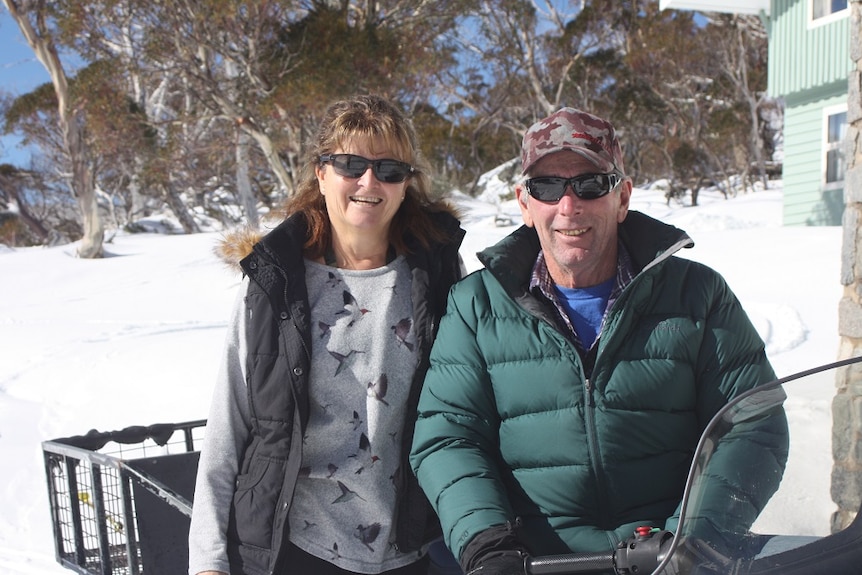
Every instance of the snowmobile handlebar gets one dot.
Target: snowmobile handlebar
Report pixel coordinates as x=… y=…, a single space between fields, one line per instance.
x=639 y=554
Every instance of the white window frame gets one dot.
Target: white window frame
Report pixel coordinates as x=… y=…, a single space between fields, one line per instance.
x=826 y=146
x=815 y=22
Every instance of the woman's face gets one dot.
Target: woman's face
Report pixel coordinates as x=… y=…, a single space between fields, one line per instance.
x=363 y=205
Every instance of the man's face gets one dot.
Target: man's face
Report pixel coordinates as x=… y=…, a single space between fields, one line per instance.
x=578 y=237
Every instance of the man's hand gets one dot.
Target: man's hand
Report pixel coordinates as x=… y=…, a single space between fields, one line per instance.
x=495 y=551
x=501 y=563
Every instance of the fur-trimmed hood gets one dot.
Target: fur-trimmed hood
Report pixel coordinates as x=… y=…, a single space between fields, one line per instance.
x=236 y=244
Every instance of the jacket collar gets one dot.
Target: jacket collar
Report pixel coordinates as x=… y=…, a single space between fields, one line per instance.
x=282 y=246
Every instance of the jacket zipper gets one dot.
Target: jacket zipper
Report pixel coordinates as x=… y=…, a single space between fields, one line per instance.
x=593 y=447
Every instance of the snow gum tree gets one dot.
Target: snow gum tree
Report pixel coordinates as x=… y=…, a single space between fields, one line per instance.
x=33 y=19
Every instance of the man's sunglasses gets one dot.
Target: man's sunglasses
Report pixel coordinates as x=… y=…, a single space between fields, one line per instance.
x=350 y=166
x=586 y=187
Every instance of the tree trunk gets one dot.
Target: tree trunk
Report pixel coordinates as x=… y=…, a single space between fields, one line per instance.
x=271 y=155
x=71 y=125
x=846 y=412
x=754 y=141
x=173 y=199
x=243 y=185
x=32 y=223
x=83 y=187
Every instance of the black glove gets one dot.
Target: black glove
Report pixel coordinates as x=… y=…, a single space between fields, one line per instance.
x=501 y=563
x=495 y=551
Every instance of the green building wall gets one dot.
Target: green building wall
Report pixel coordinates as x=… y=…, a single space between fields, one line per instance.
x=806 y=203
x=809 y=69
x=803 y=58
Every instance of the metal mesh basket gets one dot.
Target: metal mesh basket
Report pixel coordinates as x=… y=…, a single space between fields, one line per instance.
x=121 y=500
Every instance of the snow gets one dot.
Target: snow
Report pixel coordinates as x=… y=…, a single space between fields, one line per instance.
x=134 y=339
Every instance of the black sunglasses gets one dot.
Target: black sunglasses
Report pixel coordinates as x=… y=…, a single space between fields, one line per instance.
x=586 y=187
x=351 y=166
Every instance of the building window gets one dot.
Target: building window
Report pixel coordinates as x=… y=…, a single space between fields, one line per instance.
x=824 y=8
x=836 y=129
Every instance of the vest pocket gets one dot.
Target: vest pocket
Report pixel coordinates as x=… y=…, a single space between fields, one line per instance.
x=254 y=502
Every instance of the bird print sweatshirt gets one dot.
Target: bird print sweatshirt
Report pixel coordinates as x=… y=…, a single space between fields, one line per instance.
x=363 y=360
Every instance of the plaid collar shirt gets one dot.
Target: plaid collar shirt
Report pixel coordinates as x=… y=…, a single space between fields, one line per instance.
x=542 y=285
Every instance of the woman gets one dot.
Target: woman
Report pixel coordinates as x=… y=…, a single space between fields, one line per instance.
x=304 y=466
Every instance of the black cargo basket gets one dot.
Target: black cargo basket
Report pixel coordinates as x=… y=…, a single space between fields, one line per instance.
x=121 y=500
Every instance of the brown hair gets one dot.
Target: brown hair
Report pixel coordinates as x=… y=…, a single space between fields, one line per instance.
x=375 y=119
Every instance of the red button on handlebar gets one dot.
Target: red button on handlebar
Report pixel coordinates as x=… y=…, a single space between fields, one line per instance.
x=643 y=530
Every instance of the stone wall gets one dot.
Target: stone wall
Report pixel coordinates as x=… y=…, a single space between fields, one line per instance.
x=847 y=404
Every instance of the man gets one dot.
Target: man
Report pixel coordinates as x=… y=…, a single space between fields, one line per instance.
x=572 y=377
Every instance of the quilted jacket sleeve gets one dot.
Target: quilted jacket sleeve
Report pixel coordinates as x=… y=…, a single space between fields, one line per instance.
x=748 y=449
x=456 y=432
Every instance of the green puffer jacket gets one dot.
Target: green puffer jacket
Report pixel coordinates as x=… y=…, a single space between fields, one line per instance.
x=509 y=427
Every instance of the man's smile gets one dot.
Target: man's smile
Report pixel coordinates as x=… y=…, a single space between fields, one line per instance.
x=575 y=232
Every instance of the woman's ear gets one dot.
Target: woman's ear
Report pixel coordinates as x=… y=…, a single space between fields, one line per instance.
x=320 y=172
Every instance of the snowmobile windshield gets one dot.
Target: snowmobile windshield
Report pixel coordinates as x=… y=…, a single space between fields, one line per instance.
x=759 y=494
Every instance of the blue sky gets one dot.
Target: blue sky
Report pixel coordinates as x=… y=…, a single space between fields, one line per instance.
x=20 y=72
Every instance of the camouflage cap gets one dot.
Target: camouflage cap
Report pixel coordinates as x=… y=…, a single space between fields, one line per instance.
x=571 y=129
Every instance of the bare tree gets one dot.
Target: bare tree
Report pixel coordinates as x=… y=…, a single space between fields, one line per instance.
x=31 y=18
x=519 y=60
x=12 y=182
x=228 y=58
x=745 y=40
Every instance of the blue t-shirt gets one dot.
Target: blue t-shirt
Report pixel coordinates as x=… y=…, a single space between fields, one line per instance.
x=586 y=308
